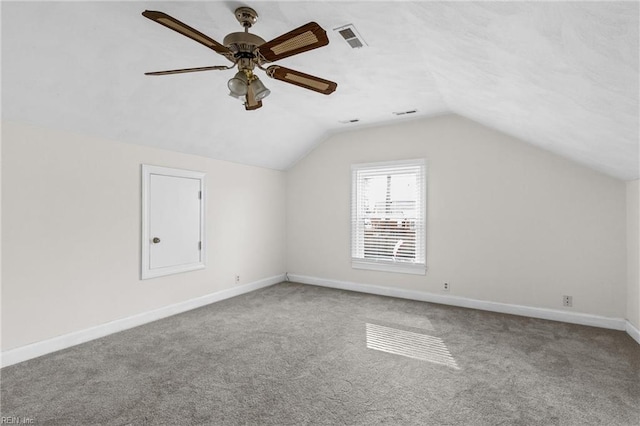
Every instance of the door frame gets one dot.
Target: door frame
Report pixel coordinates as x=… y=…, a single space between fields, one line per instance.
x=145 y=264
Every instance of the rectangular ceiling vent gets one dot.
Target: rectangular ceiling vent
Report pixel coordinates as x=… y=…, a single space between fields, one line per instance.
x=411 y=111
x=351 y=36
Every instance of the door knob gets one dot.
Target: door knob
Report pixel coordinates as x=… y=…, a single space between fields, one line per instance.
x=156 y=240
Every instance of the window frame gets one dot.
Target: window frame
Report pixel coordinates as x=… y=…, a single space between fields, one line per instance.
x=416 y=268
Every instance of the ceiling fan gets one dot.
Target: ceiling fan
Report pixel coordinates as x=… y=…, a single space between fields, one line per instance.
x=248 y=51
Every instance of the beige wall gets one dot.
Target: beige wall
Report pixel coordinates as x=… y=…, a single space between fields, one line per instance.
x=506 y=222
x=71 y=232
x=633 y=253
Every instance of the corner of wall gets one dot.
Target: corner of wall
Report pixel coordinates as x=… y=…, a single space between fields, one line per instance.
x=633 y=253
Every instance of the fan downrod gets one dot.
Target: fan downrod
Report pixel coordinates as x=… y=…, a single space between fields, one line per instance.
x=246 y=16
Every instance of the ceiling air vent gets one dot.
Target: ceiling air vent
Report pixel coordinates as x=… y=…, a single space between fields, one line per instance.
x=353 y=120
x=411 y=111
x=351 y=36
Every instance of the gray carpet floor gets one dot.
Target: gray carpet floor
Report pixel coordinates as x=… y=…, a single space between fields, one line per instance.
x=294 y=354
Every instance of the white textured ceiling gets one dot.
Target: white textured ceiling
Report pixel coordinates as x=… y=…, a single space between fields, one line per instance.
x=560 y=75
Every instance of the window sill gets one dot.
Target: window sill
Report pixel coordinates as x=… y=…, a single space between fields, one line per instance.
x=402 y=268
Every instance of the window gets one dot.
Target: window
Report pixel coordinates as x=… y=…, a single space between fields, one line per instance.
x=388 y=204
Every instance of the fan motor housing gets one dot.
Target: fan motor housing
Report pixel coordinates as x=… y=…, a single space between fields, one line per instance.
x=243 y=46
x=242 y=42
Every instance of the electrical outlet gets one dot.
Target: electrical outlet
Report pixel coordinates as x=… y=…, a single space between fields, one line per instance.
x=445 y=287
x=567 y=301
x=237 y=279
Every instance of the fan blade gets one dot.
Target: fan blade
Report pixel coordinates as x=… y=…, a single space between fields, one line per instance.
x=301 y=79
x=215 y=67
x=307 y=37
x=251 y=102
x=170 y=22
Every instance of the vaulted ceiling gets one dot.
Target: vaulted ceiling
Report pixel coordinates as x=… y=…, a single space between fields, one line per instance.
x=560 y=75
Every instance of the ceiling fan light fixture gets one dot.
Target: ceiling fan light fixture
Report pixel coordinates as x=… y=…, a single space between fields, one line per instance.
x=239 y=84
x=247 y=51
x=259 y=89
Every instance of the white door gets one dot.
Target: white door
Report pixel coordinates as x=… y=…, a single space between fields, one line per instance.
x=172 y=221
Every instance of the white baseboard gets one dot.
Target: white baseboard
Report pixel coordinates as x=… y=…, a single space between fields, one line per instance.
x=633 y=332
x=527 y=311
x=34 y=350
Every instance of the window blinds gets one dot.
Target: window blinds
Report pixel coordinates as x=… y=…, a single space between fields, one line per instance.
x=388 y=213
